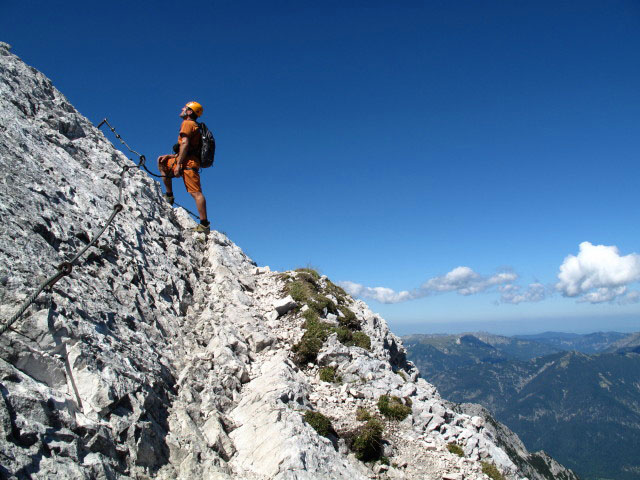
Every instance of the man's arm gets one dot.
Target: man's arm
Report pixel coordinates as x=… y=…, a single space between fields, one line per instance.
x=184 y=147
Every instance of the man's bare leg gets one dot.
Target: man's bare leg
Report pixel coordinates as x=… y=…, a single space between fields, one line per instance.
x=201 y=204
x=166 y=176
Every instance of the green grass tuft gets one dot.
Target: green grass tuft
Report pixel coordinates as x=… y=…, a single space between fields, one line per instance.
x=393 y=407
x=307 y=349
x=320 y=302
x=345 y=336
x=455 y=449
x=491 y=470
x=338 y=292
x=300 y=291
x=353 y=339
x=307 y=289
x=362 y=414
x=309 y=271
x=349 y=320
x=329 y=374
x=362 y=340
x=367 y=442
x=320 y=423
x=310 y=316
x=317 y=328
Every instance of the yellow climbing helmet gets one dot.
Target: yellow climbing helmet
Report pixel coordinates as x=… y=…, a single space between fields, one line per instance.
x=196 y=107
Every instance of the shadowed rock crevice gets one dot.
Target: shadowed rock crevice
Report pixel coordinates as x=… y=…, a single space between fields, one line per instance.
x=47 y=235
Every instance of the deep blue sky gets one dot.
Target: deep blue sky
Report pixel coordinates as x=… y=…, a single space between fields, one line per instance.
x=387 y=143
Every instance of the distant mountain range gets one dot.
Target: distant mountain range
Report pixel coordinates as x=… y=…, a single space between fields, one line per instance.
x=577 y=397
x=590 y=343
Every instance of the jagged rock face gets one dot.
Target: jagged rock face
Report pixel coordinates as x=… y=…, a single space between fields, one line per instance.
x=87 y=376
x=533 y=465
x=168 y=355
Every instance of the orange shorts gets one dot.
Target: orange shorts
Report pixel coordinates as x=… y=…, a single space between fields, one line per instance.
x=190 y=174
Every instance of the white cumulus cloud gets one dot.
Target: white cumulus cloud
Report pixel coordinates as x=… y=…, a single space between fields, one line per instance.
x=462 y=280
x=465 y=281
x=599 y=274
x=535 y=292
x=381 y=294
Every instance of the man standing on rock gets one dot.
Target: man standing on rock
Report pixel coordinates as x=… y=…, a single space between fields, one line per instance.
x=187 y=163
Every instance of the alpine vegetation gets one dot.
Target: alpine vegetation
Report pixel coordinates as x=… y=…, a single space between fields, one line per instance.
x=169 y=354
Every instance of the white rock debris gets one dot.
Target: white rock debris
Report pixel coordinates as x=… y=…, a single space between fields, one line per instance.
x=167 y=354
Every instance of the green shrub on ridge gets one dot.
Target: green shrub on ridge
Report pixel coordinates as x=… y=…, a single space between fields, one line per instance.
x=329 y=374
x=367 y=442
x=309 y=271
x=320 y=423
x=455 y=449
x=300 y=291
x=306 y=288
x=353 y=339
x=362 y=340
x=320 y=302
x=348 y=319
x=393 y=407
x=338 y=292
x=491 y=470
x=316 y=333
x=362 y=414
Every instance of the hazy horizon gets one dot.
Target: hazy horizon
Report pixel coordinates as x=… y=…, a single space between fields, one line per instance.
x=622 y=324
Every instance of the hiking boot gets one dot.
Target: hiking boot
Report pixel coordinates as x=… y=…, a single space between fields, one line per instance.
x=169 y=198
x=201 y=229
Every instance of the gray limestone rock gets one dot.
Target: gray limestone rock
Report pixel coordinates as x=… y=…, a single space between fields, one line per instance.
x=285 y=304
x=334 y=354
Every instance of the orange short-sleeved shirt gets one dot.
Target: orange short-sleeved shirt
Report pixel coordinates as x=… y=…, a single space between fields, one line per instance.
x=190 y=129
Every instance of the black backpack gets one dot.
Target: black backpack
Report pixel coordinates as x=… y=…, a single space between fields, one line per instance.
x=207 y=147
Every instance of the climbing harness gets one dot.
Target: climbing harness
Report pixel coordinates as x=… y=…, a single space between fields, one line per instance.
x=65 y=268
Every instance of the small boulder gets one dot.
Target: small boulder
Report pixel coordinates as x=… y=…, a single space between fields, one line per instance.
x=477 y=422
x=453 y=476
x=217 y=438
x=259 y=341
x=285 y=304
x=435 y=423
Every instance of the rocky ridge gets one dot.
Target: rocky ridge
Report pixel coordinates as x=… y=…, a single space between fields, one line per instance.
x=169 y=355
